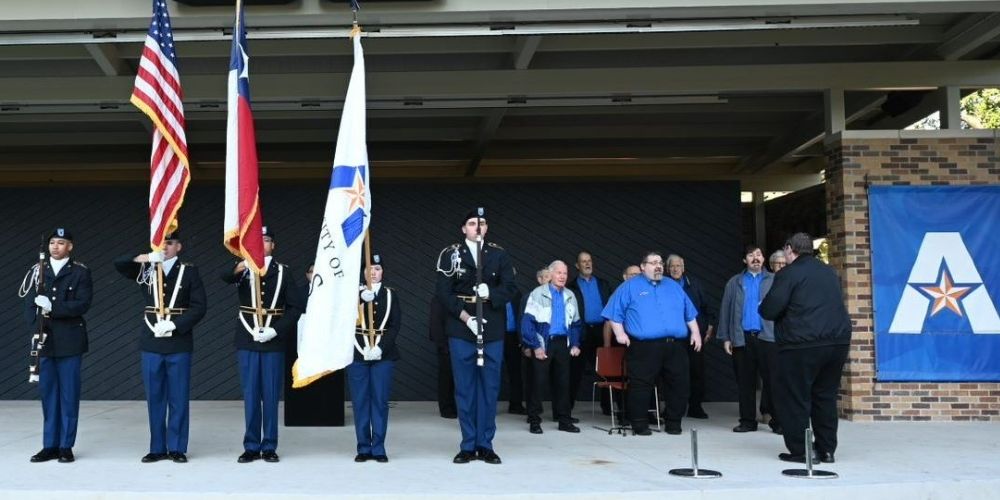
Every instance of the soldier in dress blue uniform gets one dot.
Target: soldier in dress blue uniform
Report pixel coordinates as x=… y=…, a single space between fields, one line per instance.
x=260 y=348
x=166 y=341
x=476 y=387
x=370 y=375
x=66 y=298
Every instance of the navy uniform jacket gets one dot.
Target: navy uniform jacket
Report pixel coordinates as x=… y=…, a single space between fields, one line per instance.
x=190 y=296
x=289 y=299
x=70 y=293
x=498 y=274
x=388 y=341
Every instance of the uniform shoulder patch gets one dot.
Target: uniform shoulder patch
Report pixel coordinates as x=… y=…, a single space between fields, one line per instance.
x=188 y=264
x=81 y=264
x=494 y=245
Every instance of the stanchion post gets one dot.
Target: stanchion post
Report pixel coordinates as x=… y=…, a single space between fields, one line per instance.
x=694 y=472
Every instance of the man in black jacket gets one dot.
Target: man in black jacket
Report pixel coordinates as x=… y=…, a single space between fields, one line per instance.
x=592 y=294
x=66 y=297
x=706 y=320
x=813 y=333
x=260 y=348
x=166 y=341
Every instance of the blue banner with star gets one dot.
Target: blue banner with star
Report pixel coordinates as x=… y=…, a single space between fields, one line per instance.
x=935 y=282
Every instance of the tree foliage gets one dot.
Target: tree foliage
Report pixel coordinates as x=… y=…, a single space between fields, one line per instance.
x=982 y=109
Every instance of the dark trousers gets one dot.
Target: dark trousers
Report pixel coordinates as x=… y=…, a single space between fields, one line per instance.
x=808 y=381
x=696 y=363
x=261 y=377
x=445 y=380
x=370 y=383
x=593 y=337
x=551 y=373
x=59 y=384
x=476 y=391
x=167 y=378
x=648 y=359
x=756 y=358
x=513 y=364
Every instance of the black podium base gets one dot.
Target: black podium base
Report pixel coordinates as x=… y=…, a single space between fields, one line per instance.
x=319 y=404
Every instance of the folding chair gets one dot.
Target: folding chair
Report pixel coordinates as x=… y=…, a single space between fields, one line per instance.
x=611 y=374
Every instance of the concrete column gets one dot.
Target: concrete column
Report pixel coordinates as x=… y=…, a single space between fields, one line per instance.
x=951 y=108
x=834 y=114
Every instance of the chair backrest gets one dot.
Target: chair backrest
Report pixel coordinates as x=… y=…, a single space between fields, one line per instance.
x=610 y=362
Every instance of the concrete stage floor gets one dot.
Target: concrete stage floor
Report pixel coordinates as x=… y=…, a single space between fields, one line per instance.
x=883 y=461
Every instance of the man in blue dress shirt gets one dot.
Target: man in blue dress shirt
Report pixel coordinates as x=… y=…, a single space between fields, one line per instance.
x=653 y=317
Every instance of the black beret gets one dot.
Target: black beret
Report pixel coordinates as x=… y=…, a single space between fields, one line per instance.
x=62 y=233
x=475 y=213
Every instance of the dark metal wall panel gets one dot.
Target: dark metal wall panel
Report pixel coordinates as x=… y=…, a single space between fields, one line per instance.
x=536 y=223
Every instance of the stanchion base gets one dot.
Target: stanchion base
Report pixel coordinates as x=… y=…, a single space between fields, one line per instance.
x=804 y=474
x=696 y=474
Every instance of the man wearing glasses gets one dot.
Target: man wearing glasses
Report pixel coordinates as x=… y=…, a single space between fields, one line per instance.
x=653 y=318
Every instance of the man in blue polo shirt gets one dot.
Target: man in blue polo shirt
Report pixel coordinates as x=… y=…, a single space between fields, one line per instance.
x=653 y=317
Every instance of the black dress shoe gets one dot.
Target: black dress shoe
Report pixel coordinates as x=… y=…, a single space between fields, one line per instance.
x=745 y=428
x=535 y=428
x=381 y=459
x=573 y=420
x=66 y=455
x=270 y=456
x=642 y=432
x=248 y=456
x=799 y=459
x=178 y=457
x=569 y=428
x=517 y=410
x=463 y=457
x=45 y=455
x=697 y=412
x=826 y=457
x=673 y=430
x=449 y=414
x=153 y=457
x=488 y=456
x=777 y=429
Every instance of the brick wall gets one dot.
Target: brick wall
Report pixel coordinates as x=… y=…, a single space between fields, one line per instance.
x=857 y=159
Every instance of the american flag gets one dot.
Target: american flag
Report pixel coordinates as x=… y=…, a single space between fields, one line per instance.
x=242 y=226
x=158 y=94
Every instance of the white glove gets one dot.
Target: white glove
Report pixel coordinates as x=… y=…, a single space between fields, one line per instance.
x=164 y=328
x=43 y=302
x=367 y=295
x=154 y=257
x=483 y=291
x=265 y=334
x=372 y=353
x=472 y=324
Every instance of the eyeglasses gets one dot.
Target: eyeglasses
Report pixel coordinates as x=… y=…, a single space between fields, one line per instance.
x=654 y=262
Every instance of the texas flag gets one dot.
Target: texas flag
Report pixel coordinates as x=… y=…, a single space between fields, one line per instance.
x=326 y=330
x=242 y=226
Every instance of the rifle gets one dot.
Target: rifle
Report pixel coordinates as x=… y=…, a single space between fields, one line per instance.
x=480 y=361
x=38 y=338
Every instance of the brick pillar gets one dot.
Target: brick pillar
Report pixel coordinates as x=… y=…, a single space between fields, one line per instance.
x=856 y=159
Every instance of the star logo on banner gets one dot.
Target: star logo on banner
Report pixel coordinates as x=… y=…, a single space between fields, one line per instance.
x=946 y=295
x=356 y=193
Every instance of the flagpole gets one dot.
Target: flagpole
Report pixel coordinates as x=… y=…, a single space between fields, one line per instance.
x=159 y=287
x=368 y=279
